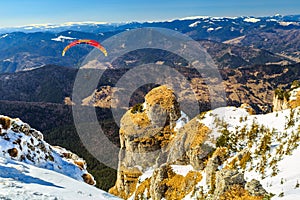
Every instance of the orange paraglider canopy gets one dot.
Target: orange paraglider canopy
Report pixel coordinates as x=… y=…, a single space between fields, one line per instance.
x=93 y=43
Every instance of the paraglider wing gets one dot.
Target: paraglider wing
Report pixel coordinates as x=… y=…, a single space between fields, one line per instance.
x=93 y=43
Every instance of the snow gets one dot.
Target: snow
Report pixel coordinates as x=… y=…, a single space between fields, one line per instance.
x=189 y=18
x=182 y=170
x=181 y=121
x=288 y=175
x=52 y=26
x=37 y=170
x=210 y=29
x=147 y=174
x=195 y=24
x=230 y=115
x=288 y=23
x=272 y=20
x=285 y=181
x=20 y=181
x=252 y=20
x=194 y=17
x=32 y=149
x=3 y=36
x=62 y=38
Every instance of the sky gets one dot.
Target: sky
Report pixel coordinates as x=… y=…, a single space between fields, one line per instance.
x=24 y=12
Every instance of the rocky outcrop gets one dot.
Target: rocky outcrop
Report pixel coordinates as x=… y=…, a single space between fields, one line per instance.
x=151 y=138
x=255 y=188
x=285 y=99
x=145 y=132
x=280 y=103
x=102 y=97
x=225 y=179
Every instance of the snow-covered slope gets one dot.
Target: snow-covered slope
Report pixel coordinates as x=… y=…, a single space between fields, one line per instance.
x=276 y=166
x=30 y=168
x=260 y=147
x=20 y=181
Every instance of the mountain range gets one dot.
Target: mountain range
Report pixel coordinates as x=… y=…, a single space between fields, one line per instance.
x=257 y=58
x=25 y=48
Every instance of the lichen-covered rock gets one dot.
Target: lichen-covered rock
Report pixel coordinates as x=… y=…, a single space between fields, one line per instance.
x=255 y=188
x=285 y=99
x=157 y=184
x=227 y=178
x=162 y=106
x=145 y=131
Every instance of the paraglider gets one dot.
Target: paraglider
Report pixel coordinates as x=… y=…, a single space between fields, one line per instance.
x=93 y=43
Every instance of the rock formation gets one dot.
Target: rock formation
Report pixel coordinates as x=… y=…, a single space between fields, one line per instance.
x=285 y=99
x=154 y=147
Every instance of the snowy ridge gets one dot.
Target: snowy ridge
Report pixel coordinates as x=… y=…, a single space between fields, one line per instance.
x=30 y=168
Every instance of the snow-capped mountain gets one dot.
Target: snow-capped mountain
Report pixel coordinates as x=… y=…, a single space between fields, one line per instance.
x=29 y=47
x=30 y=168
x=180 y=24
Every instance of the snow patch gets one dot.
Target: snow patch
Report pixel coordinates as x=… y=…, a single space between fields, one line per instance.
x=195 y=24
x=288 y=23
x=210 y=29
x=62 y=38
x=182 y=170
x=181 y=121
x=3 y=36
x=252 y=20
x=147 y=174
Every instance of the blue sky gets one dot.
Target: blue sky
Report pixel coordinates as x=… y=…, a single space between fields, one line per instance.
x=22 y=12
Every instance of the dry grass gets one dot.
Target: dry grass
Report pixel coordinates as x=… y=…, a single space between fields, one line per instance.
x=5 y=122
x=88 y=179
x=237 y=192
x=222 y=153
x=179 y=186
x=246 y=157
x=200 y=136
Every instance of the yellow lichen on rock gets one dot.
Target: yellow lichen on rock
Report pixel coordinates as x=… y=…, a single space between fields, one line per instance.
x=163 y=96
x=222 y=153
x=140 y=119
x=294 y=103
x=143 y=190
x=201 y=135
x=179 y=186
